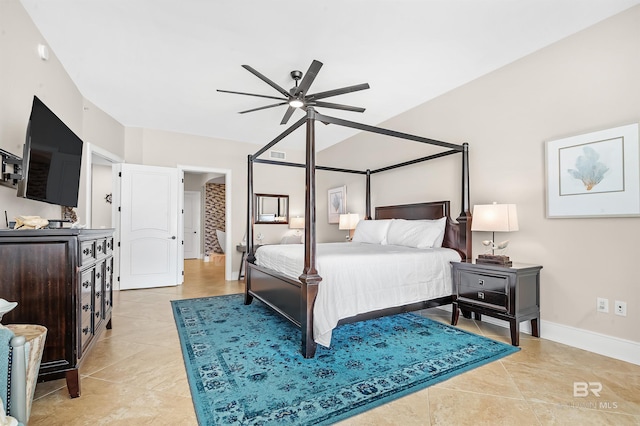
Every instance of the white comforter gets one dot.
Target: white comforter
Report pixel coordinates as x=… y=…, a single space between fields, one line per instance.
x=360 y=277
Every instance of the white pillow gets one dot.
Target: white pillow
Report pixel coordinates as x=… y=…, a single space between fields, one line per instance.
x=371 y=231
x=416 y=233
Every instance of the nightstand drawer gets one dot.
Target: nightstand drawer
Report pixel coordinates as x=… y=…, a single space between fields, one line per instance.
x=484 y=282
x=497 y=300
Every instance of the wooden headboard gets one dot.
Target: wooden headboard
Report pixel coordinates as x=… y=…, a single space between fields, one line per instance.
x=457 y=236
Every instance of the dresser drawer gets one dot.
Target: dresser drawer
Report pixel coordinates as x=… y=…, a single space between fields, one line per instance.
x=86 y=283
x=87 y=252
x=484 y=282
x=109 y=246
x=101 y=248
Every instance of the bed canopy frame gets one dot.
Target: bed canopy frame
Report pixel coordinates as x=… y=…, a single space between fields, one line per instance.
x=459 y=239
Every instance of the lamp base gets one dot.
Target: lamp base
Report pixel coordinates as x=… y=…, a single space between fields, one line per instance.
x=494 y=259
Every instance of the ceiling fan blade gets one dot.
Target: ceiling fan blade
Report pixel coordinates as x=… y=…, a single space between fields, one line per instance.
x=337 y=106
x=287 y=115
x=266 y=80
x=335 y=92
x=264 y=107
x=308 y=78
x=250 y=94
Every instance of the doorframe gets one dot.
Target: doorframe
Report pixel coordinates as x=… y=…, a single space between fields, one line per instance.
x=106 y=157
x=227 y=210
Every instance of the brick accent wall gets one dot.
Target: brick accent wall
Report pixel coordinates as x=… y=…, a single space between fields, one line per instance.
x=213 y=216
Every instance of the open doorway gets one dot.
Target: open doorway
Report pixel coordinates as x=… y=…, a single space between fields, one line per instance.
x=99 y=187
x=211 y=243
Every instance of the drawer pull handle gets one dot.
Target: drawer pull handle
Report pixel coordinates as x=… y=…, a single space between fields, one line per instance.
x=98 y=314
x=86 y=251
x=86 y=307
x=480 y=282
x=85 y=330
x=98 y=276
x=86 y=284
x=481 y=295
x=98 y=294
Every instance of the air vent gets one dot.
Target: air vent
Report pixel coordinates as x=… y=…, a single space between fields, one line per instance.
x=277 y=155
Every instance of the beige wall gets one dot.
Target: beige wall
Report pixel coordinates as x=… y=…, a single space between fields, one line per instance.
x=584 y=83
x=22 y=75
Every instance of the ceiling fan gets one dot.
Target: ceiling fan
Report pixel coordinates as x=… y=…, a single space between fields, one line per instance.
x=297 y=96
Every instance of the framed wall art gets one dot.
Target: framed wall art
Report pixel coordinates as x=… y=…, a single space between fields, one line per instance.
x=594 y=174
x=337 y=202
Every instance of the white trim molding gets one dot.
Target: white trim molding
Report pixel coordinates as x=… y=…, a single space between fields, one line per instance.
x=602 y=344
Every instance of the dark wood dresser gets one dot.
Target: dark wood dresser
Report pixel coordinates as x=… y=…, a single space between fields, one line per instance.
x=62 y=279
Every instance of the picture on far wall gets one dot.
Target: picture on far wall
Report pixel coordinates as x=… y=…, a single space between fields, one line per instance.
x=594 y=174
x=337 y=202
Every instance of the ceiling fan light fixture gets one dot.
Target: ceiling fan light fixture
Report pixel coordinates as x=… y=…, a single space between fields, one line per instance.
x=296 y=103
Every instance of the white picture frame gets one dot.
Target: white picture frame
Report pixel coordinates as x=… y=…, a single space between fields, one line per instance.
x=594 y=174
x=336 y=203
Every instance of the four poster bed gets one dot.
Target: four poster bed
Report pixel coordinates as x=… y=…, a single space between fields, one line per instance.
x=372 y=276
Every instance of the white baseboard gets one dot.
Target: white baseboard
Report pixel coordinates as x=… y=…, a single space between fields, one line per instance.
x=613 y=347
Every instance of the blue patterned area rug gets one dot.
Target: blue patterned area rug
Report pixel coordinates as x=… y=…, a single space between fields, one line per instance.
x=245 y=367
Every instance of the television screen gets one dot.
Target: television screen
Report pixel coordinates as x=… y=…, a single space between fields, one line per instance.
x=52 y=159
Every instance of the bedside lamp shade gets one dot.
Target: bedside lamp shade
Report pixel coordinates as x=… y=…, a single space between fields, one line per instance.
x=349 y=221
x=296 y=223
x=495 y=218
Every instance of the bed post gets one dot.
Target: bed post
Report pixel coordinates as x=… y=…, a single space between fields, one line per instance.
x=465 y=215
x=249 y=244
x=367 y=215
x=309 y=277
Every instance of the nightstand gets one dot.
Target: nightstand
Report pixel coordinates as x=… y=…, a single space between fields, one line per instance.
x=242 y=248
x=508 y=293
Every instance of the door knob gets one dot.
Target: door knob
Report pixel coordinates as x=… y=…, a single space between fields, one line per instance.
x=173 y=237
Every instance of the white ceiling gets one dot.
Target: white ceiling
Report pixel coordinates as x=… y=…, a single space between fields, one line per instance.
x=157 y=63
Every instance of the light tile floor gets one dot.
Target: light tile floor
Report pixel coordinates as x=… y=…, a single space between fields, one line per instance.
x=135 y=375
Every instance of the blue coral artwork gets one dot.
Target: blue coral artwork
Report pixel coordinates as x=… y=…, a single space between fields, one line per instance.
x=594 y=174
x=592 y=168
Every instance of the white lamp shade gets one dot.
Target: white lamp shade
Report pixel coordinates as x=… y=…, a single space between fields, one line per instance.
x=495 y=218
x=296 y=223
x=348 y=221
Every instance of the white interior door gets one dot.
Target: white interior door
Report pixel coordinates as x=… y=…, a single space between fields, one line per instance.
x=149 y=226
x=192 y=232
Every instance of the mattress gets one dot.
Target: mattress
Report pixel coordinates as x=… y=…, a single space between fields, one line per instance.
x=361 y=277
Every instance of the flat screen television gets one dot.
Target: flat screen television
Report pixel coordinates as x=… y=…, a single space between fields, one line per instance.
x=51 y=160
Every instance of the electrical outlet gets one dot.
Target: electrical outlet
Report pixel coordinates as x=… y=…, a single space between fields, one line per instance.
x=621 y=308
x=602 y=305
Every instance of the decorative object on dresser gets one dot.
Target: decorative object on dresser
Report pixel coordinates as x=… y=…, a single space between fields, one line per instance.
x=495 y=218
x=348 y=222
x=508 y=293
x=63 y=280
x=595 y=174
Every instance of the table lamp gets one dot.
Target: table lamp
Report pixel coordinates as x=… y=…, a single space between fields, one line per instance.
x=494 y=218
x=349 y=221
x=297 y=223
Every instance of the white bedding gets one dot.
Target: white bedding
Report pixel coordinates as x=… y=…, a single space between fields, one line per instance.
x=361 y=277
